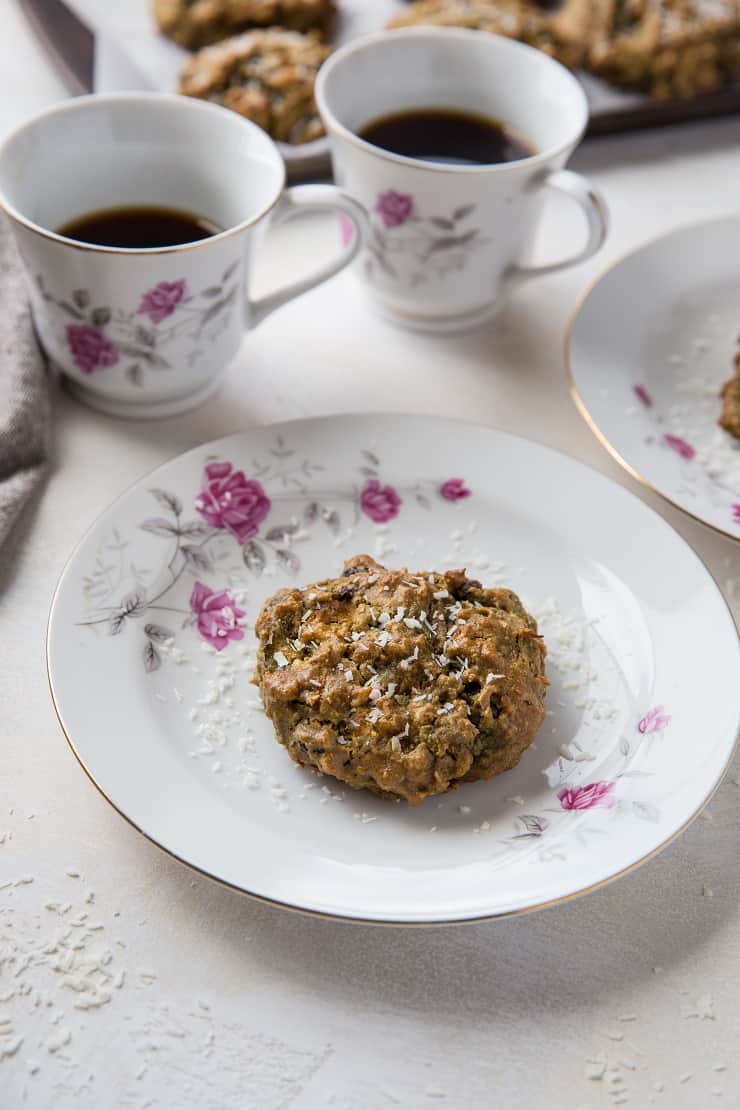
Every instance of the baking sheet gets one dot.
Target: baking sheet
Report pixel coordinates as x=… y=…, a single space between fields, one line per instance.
x=136 y=55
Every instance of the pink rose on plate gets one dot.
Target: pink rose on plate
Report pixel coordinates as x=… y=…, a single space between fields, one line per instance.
x=216 y=615
x=380 y=503
x=679 y=445
x=642 y=395
x=454 y=489
x=394 y=208
x=587 y=797
x=654 y=720
x=161 y=301
x=89 y=348
x=232 y=501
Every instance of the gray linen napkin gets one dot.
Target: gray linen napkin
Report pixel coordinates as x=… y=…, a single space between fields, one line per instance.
x=25 y=404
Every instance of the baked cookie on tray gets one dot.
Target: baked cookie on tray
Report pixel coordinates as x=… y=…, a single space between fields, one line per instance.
x=667 y=48
x=564 y=31
x=266 y=76
x=195 y=23
x=670 y=48
x=405 y=684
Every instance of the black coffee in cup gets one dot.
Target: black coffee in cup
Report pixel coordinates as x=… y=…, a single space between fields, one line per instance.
x=139 y=227
x=446 y=135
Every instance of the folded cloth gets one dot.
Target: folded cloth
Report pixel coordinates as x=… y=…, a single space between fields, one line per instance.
x=25 y=403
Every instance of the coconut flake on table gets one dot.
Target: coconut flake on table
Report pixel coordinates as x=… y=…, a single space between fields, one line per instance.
x=595 y=1068
x=75 y=959
x=702 y=1008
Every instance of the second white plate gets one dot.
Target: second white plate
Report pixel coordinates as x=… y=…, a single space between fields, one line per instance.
x=649 y=349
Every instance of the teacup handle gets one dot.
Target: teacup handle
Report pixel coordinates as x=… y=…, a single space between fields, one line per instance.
x=302 y=198
x=594 y=208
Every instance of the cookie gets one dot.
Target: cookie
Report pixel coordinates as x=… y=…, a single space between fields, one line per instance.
x=404 y=684
x=196 y=23
x=266 y=76
x=563 y=32
x=730 y=418
x=670 y=48
x=667 y=48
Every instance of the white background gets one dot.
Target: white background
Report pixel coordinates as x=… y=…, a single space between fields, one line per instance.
x=229 y=1004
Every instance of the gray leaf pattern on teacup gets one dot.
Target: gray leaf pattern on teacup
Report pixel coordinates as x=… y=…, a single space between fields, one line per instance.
x=102 y=336
x=437 y=245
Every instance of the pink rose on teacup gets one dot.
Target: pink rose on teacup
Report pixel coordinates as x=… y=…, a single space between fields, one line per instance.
x=231 y=501
x=90 y=349
x=346 y=230
x=394 y=208
x=161 y=301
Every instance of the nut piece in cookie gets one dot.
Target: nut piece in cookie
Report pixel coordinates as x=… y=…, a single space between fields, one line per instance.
x=266 y=76
x=195 y=23
x=405 y=684
x=730 y=418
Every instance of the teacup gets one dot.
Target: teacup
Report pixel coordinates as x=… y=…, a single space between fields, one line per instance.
x=149 y=332
x=445 y=239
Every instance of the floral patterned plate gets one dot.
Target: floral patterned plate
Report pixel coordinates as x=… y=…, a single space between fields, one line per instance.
x=151 y=648
x=649 y=350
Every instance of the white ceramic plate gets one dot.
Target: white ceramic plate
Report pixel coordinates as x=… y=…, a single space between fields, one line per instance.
x=644 y=665
x=653 y=342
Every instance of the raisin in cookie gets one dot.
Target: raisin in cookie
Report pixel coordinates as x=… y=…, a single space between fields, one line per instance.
x=266 y=76
x=195 y=23
x=405 y=684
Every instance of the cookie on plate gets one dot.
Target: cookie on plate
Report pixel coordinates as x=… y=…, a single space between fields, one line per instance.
x=404 y=684
x=266 y=76
x=195 y=23
x=730 y=418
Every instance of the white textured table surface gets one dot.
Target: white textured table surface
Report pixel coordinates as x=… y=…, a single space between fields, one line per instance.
x=226 y=1004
